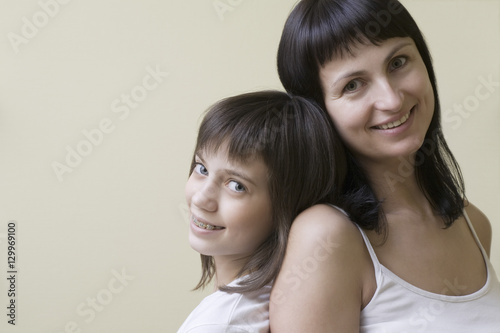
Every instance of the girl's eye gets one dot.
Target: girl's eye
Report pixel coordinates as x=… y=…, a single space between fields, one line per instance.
x=235 y=186
x=200 y=169
x=353 y=86
x=398 y=63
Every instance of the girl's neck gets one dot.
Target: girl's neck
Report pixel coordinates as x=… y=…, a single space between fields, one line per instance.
x=226 y=270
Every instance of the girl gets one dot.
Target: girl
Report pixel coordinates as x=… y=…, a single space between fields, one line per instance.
x=260 y=159
x=416 y=259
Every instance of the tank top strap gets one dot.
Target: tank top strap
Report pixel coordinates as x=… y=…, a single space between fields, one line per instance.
x=376 y=263
x=476 y=238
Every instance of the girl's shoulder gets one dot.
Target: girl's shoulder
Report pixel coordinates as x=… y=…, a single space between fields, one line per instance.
x=231 y=312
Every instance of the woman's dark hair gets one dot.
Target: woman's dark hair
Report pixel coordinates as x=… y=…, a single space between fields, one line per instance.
x=303 y=155
x=318 y=31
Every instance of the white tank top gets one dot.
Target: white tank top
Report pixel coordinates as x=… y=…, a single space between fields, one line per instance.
x=400 y=307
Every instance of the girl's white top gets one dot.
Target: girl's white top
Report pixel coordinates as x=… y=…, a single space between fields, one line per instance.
x=230 y=313
x=398 y=306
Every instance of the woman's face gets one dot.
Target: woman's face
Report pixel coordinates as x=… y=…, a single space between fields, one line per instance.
x=380 y=99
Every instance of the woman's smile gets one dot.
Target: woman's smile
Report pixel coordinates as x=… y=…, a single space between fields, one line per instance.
x=393 y=124
x=380 y=99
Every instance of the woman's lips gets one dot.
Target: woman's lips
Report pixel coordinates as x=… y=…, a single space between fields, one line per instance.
x=396 y=123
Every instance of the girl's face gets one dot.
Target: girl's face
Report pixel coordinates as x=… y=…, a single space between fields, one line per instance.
x=380 y=99
x=230 y=205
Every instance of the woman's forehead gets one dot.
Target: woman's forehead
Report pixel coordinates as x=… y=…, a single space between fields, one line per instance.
x=363 y=49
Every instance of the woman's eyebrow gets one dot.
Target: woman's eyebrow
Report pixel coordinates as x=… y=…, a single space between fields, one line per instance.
x=395 y=50
x=362 y=72
x=348 y=75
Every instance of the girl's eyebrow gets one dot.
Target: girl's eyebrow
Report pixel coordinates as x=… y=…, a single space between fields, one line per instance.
x=362 y=72
x=238 y=174
x=229 y=171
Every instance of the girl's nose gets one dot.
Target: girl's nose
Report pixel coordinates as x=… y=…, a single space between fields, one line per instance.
x=205 y=198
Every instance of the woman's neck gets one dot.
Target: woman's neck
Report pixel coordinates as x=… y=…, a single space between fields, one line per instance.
x=396 y=185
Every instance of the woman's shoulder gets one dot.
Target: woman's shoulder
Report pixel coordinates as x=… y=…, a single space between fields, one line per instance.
x=481 y=225
x=325 y=267
x=323 y=220
x=326 y=231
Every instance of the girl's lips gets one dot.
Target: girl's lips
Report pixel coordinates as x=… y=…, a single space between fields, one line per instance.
x=205 y=226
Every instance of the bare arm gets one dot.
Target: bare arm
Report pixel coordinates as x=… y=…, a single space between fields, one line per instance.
x=319 y=288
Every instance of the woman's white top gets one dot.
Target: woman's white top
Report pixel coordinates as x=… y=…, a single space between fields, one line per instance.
x=400 y=307
x=230 y=313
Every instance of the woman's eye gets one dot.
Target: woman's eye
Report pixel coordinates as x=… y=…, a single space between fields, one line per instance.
x=200 y=169
x=353 y=86
x=398 y=63
x=235 y=186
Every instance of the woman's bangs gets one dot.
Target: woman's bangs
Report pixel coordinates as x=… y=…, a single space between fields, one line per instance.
x=339 y=28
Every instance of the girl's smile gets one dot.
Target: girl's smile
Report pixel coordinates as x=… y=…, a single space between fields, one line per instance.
x=204 y=225
x=230 y=205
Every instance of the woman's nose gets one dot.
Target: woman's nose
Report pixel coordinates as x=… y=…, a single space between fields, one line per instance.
x=388 y=97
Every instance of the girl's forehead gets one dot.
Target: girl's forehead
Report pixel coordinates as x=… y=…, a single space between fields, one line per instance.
x=232 y=157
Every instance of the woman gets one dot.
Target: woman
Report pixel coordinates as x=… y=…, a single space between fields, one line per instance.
x=416 y=258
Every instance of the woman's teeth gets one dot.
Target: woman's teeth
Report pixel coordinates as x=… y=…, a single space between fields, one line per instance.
x=206 y=225
x=395 y=123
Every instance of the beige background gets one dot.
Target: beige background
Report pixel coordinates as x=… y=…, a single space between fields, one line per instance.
x=121 y=210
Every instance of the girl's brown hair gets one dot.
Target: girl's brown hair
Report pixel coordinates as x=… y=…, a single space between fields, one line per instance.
x=296 y=141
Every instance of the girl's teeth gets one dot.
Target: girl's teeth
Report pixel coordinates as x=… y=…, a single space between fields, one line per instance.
x=205 y=225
